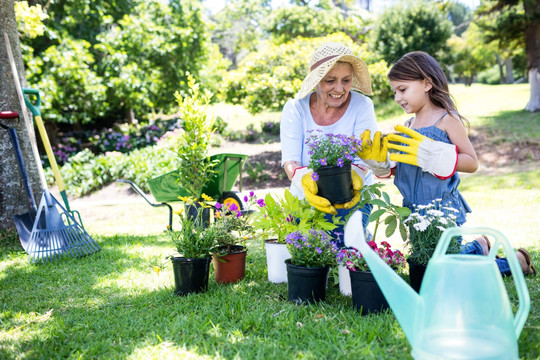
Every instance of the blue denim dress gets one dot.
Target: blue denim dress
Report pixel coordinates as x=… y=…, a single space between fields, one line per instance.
x=421 y=188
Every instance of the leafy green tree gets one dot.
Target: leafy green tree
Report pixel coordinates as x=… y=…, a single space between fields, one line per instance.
x=470 y=54
x=71 y=90
x=146 y=55
x=408 y=27
x=514 y=25
x=266 y=79
x=461 y=16
x=237 y=28
x=287 y=23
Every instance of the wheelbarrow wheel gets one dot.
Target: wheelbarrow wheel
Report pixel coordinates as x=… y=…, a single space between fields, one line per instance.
x=230 y=197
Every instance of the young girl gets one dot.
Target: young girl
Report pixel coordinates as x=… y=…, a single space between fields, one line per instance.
x=433 y=146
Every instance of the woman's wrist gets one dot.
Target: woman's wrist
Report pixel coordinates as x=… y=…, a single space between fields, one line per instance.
x=290 y=166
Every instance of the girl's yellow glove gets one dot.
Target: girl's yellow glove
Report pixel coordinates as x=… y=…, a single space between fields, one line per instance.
x=374 y=152
x=436 y=157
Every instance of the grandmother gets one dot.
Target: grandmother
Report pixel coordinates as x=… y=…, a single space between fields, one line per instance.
x=327 y=102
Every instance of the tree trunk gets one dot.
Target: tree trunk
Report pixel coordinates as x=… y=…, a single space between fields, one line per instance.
x=501 y=71
x=534 y=81
x=12 y=195
x=509 y=70
x=532 y=49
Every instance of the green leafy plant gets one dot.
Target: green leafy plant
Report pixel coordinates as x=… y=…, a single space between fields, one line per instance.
x=194 y=165
x=392 y=216
x=278 y=218
x=426 y=225
x=354 y=260
x=193 y=240
x=314 y=248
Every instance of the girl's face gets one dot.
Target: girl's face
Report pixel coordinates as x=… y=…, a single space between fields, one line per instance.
x=411 y=95
x=334 y=88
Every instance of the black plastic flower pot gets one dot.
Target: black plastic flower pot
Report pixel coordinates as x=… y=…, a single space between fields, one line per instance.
x=192 y=212
x=190 y=275
x=335 y=183
x=416 y=274
x=367 y=296
x=306 y=285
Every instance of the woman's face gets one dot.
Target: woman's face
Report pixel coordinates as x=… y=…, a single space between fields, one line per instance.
x=334 y=88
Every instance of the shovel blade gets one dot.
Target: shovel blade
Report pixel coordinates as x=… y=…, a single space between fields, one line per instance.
x=24 y=224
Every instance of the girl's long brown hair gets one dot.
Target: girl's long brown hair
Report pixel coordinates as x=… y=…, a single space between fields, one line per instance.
x=419 y=65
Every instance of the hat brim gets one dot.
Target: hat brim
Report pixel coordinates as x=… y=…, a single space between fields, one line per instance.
x=361 y=79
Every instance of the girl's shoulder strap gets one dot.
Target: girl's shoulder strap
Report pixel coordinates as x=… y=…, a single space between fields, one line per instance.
x=436 y=122
x=408 y=122
x=454 y=113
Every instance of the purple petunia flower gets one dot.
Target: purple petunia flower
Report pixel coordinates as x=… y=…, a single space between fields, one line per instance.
x=315 y=176
x=261 y=203
x=339 y=162
x=323 y=162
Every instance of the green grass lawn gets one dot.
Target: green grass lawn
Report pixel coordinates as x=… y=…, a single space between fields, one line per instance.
x=113 y=305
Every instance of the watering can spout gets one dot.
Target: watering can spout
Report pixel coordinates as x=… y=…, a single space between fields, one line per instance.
x=406 y=304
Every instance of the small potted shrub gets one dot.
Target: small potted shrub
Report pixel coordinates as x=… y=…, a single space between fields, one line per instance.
x=426 y=225
x=193 y=244
x=367 y=297
x=195 y=169
x=312 y=254
x=331 y=159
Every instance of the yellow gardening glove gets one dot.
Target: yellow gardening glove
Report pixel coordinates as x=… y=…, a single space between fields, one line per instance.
x=436 y=157
x=322 y=204
x=375 y=153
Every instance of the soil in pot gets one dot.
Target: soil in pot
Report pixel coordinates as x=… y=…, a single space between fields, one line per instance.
x=231 y=267
x=306 y=285
x=190 y=275
x=335 y=183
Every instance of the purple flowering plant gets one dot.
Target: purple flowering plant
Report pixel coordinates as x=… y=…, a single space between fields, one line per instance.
x=330 y=149
x=232 y=225
x=316 y=248
x=354 y=260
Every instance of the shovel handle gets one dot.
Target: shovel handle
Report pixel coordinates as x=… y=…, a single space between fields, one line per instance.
x=34 y=108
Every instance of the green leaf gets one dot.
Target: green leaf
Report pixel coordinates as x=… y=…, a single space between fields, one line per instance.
x=376 y=214
x=403 y=231
x=403 y=211
x=391 y=228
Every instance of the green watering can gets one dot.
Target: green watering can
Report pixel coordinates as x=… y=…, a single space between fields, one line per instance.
x=462 y=310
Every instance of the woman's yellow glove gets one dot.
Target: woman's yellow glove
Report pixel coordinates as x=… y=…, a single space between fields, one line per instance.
x=375 y=153
x=436 y=157
x=322 y=204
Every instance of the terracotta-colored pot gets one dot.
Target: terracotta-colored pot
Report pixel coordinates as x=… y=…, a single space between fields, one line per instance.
x=231 y=267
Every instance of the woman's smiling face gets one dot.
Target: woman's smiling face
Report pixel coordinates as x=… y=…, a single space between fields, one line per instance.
x=334 y=88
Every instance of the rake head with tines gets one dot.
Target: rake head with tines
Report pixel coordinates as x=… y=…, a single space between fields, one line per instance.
x=55 y=235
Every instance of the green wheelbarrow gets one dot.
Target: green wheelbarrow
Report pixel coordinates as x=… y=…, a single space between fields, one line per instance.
x=165 y=188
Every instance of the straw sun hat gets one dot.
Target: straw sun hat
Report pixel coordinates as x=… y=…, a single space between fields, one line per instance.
x=324 y=58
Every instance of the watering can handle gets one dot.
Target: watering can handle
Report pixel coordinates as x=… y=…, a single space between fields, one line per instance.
x=517 y=274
